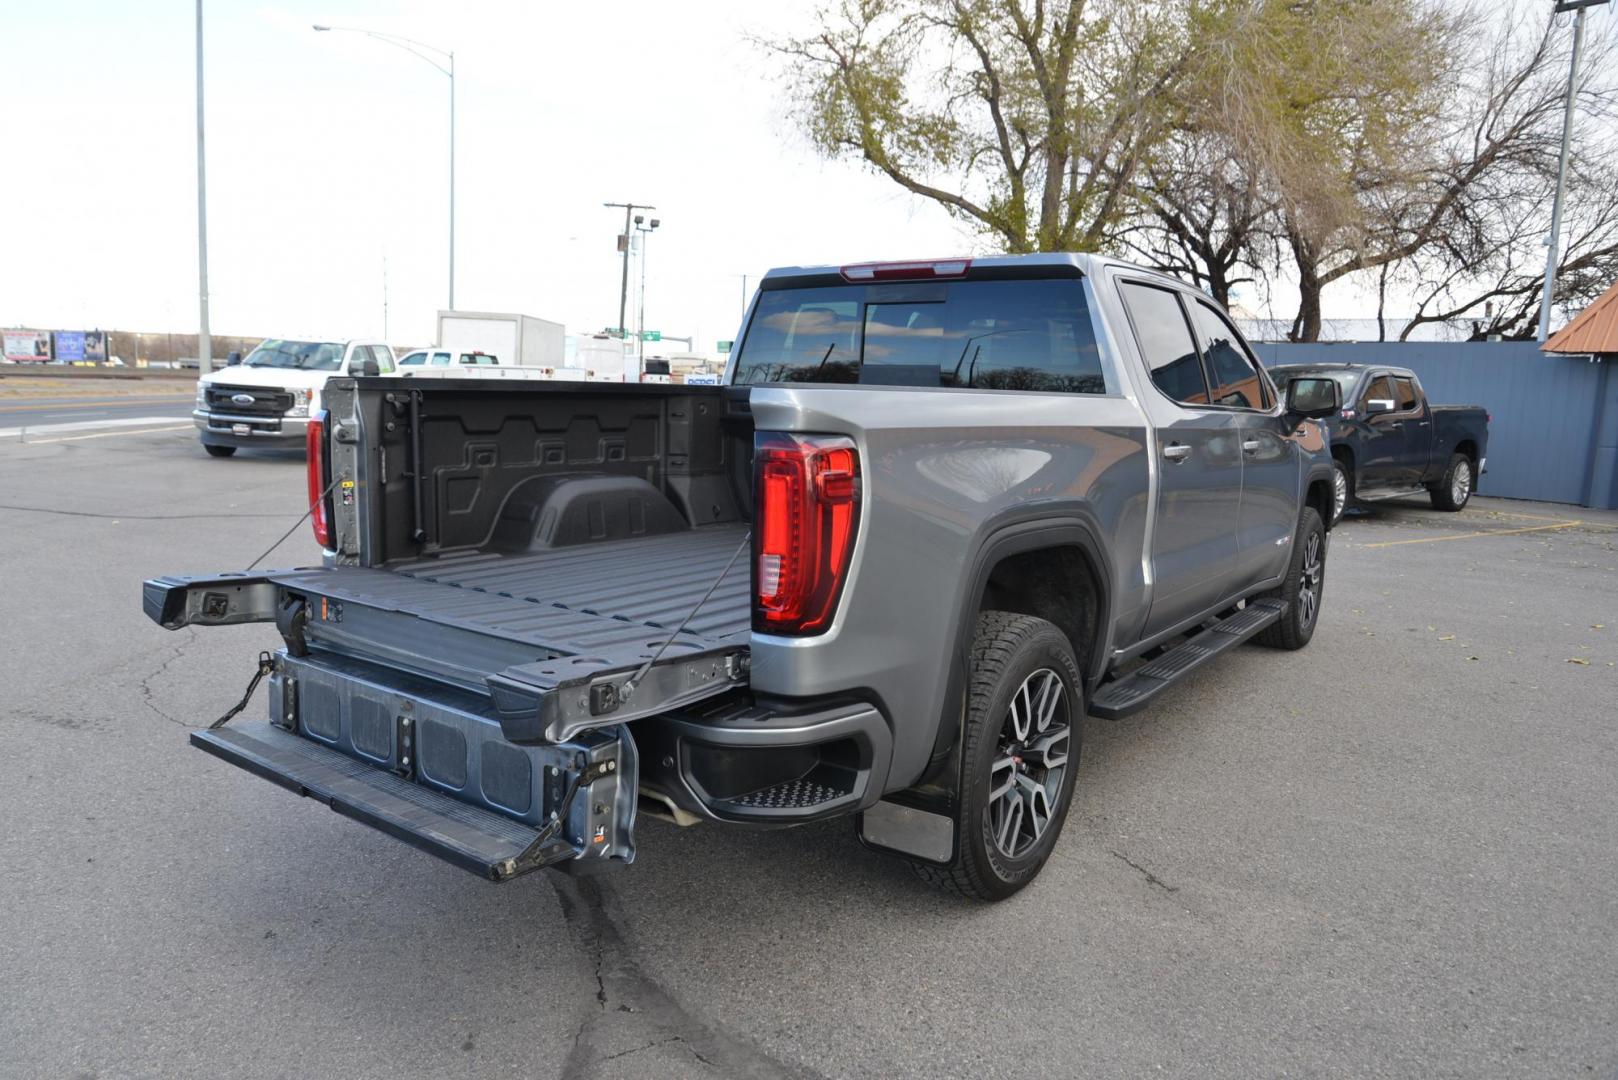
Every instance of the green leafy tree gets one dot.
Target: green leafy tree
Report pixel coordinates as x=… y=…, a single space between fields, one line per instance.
x=1024 y=119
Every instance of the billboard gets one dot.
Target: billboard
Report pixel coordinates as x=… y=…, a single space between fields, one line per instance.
x=81 y=346
x=27 y=346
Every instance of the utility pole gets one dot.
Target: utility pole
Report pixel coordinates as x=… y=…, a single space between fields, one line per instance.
x=1553 y=241
x=623 y=246
x=204 y=339
x=384 y=298
x=744 y=293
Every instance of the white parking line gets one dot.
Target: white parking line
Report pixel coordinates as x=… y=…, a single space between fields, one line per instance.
x=107 y=434
x=84 y=425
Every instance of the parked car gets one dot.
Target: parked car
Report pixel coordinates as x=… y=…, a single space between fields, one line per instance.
x=267 y=399
x=938 y=512
x=448 y=356
x=1388 y=441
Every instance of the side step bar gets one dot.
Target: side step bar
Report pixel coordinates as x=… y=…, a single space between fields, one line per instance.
x=487 y=844
x=1129 y=694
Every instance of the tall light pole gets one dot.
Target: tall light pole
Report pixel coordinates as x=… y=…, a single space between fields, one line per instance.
x=1553 y=241
x=645 y=231
x=204 y=338
x=413 y=47
x=623 y=246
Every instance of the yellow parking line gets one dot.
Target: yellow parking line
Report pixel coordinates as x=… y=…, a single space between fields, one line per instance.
x=107 y=434
x=1471 y=535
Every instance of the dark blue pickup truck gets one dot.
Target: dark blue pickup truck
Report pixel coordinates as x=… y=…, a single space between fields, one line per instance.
x=1389 y=441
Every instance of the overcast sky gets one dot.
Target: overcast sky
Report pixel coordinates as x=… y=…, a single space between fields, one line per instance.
x=327 y=155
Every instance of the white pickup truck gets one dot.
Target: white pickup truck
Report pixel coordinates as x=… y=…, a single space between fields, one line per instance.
x=267 y=399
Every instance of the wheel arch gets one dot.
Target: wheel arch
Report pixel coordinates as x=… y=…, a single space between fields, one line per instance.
x=1018 y=563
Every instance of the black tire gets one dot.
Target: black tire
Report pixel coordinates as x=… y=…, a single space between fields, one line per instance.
x=1342 y=487
x=1454 y=491
x=1297 y=626
x=218 y=451
x=1007 y=651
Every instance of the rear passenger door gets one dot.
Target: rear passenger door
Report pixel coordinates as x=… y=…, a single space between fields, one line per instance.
x=1416 y=432
x=1198 y=463
x=1270 y=465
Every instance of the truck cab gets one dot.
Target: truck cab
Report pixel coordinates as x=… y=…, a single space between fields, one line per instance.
x=266 y=400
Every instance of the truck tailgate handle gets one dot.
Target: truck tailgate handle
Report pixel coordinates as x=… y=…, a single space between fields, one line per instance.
x=1176 y=452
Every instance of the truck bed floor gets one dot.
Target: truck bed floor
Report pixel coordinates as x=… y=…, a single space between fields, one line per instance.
x=652 y=580
x=611 y=601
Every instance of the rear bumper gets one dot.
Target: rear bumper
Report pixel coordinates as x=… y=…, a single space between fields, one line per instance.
x=230 y=429
x=768 y=763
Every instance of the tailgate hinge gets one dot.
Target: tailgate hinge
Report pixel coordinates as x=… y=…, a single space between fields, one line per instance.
x=548 y=845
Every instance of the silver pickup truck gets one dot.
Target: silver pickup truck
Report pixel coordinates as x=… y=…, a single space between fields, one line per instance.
x=938 y=512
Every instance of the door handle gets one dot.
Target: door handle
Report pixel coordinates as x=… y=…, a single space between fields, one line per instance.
x=1251 y=446
x=1176 y=452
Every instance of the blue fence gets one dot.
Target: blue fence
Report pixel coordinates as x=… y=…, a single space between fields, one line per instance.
x=1555 y=429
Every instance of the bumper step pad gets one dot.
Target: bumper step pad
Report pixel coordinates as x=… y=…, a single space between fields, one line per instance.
x=474 y=839
x=1134 y=691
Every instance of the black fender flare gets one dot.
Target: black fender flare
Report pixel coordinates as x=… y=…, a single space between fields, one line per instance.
x=1069 y=524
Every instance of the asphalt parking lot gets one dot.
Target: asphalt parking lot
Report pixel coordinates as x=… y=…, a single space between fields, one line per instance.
x=1392 y=854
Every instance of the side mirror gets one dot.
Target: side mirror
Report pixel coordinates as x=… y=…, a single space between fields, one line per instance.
x=1313 y=399
x=233 y=359
x=1378 y=405
x=365 y=368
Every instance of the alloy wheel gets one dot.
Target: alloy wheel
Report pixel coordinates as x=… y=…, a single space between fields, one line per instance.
x=1314 y=570
x=1025 y=780
x=1461 y=486
x=1339 y=492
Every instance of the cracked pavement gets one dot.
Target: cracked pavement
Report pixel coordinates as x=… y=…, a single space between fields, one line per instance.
x=1390 y=854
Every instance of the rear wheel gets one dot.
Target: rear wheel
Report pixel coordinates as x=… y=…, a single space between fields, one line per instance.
x=1454 y=491
x=1020 y=756
x=1303 y=588
x=218 y=451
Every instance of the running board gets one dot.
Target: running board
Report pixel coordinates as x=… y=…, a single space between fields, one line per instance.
x=1133 y=692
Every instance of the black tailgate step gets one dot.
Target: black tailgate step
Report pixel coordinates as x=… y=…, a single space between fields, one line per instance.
x=1131 y=693
x=467 y=836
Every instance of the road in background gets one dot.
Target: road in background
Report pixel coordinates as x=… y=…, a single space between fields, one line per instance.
x=1390 y=854
x=31 y=413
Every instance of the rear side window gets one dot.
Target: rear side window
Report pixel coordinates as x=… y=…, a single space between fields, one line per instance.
x=988 y=335
x=1405 y=391
x=440 y=359
x=1165 y=342
x=1236 y=379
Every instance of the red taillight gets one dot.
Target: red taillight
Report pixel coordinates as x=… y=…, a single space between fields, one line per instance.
x=316 y=445
x=806 y=510
x=907 y=271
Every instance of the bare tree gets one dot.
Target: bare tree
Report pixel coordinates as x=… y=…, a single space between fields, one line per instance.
x=1025 y=119
x=1202 y=216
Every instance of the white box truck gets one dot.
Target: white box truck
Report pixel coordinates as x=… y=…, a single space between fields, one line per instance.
x=518 y=340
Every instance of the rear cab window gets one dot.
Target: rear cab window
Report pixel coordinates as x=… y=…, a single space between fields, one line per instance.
x=1033 y=335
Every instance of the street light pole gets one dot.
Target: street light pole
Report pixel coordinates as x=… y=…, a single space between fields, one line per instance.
x=645 y=233
x=413 y=47
x=1553 y=241
x=204 y=338
x=623 y=240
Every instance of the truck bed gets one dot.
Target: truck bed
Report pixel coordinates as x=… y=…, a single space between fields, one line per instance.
x=596 y=606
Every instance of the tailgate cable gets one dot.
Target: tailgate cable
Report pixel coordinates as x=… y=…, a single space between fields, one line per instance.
x=634 y=680
x=265 y=665
x=317 y=501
